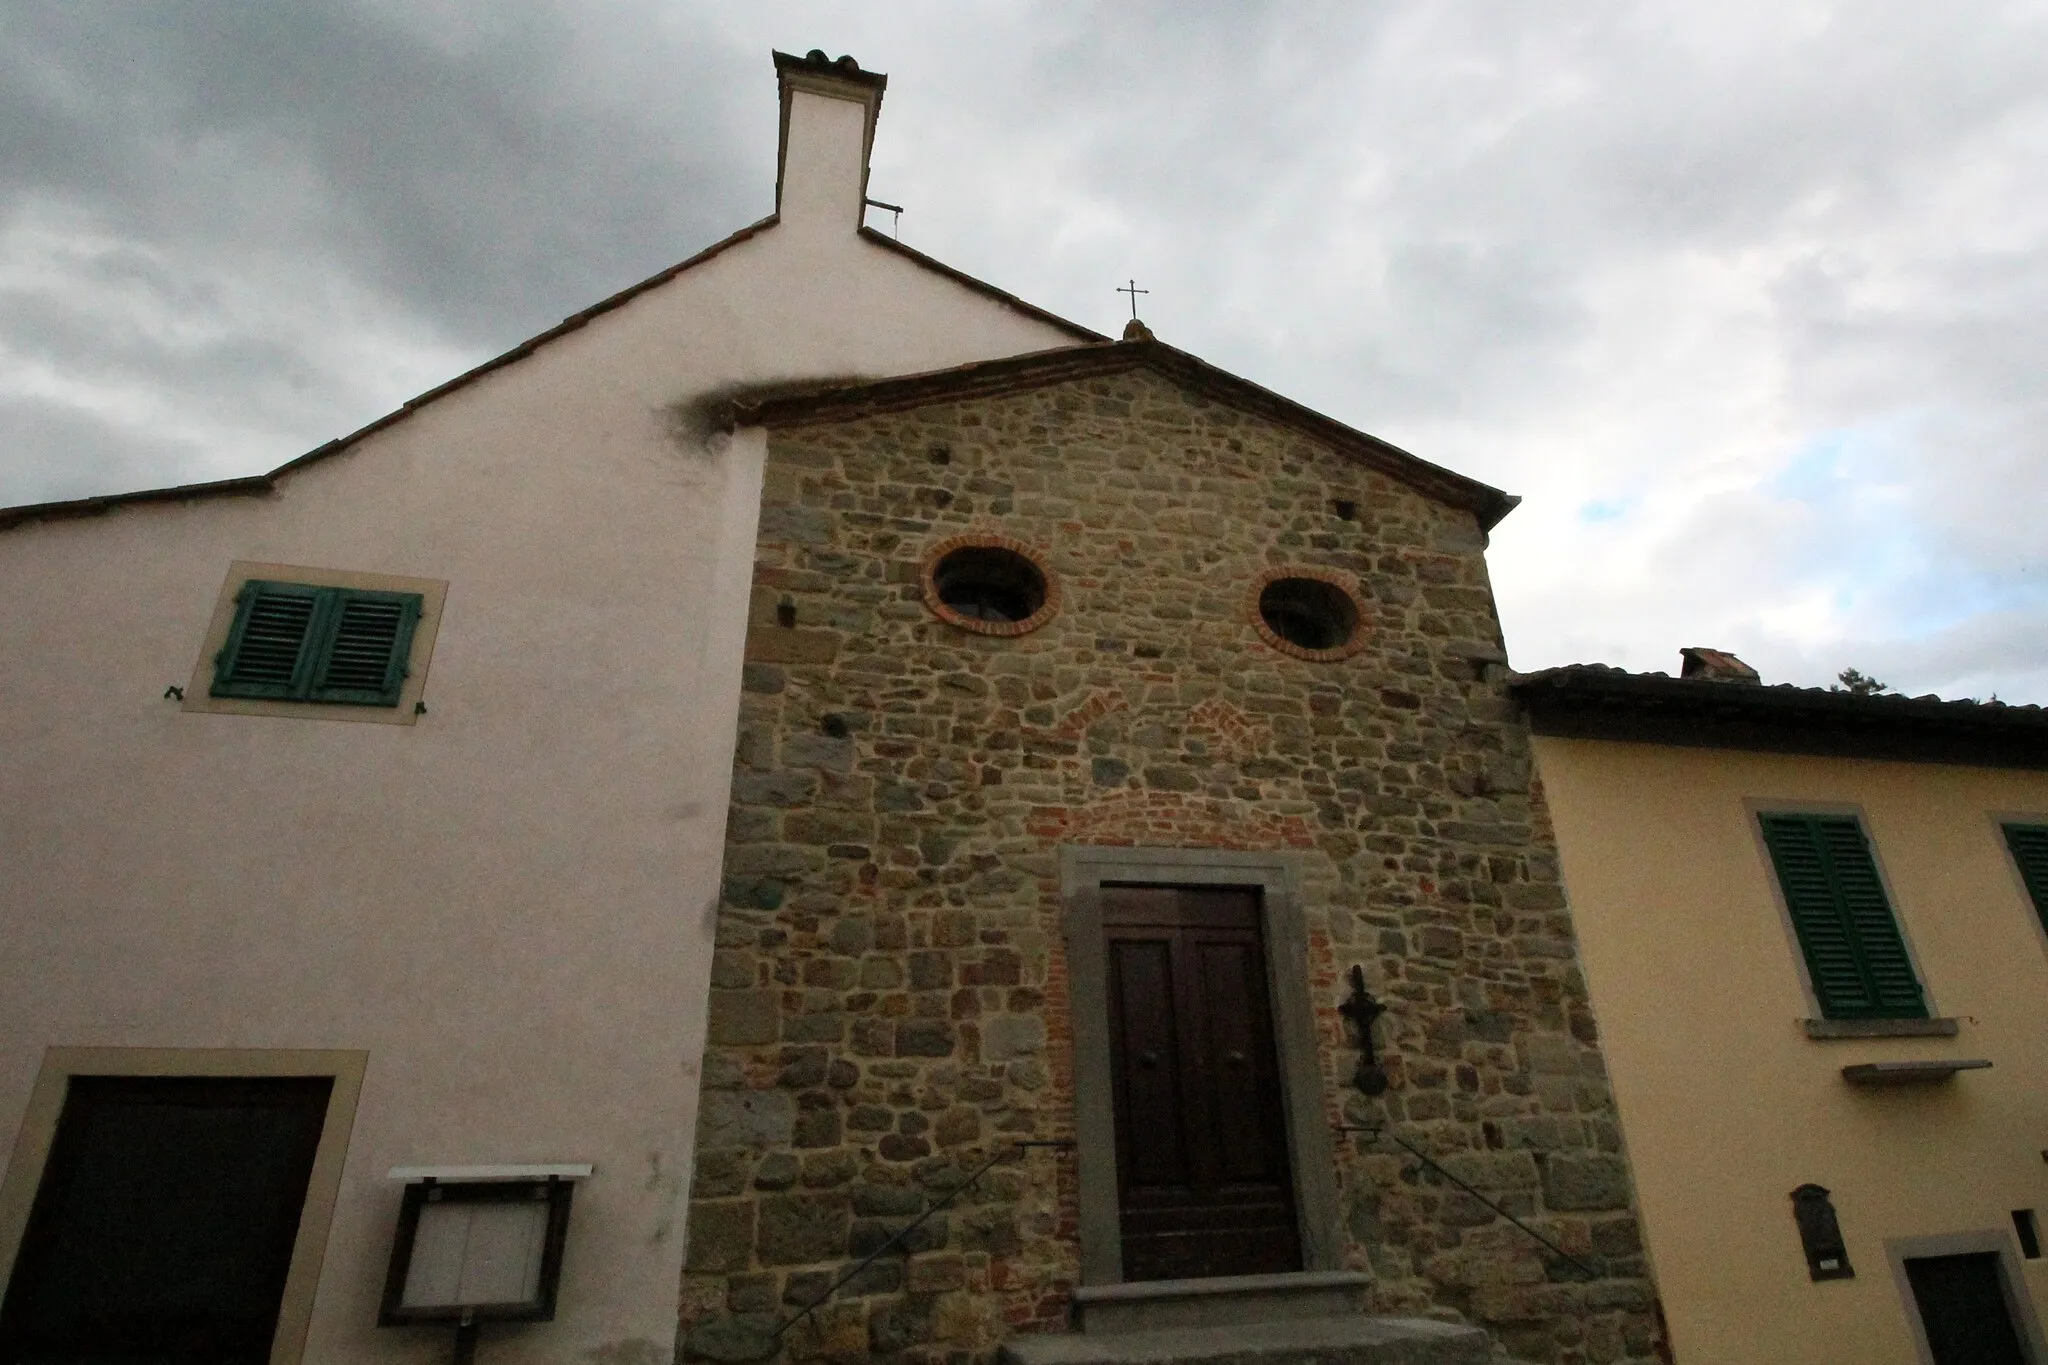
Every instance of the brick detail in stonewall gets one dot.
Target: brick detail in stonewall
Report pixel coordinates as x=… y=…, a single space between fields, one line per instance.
x=890 y=1002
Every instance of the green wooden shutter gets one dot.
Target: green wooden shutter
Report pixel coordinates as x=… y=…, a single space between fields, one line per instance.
x=1854 y=953
x=297 y=642
x=267 y=652
x=362 y=658
x=2029 y=845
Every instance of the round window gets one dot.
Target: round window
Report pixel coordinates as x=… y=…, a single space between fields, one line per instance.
x=1315 y=616
x=988 y=585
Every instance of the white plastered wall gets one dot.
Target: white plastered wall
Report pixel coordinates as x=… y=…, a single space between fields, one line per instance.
x=508 y=905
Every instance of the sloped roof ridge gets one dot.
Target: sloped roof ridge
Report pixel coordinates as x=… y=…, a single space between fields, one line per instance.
x=979 y=286
x=1594 y=701
x=838 y=400
x=1736 y=692
x=256 y=484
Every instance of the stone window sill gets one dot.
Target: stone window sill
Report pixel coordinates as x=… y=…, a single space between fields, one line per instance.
x=1911 y=1073
x=1827 y=1029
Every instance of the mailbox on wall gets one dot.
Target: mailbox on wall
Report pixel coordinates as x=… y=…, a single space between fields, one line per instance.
x=1820 y=1234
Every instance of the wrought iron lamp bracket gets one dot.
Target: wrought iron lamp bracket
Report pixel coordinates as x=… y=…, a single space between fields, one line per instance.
x=1362 y=1010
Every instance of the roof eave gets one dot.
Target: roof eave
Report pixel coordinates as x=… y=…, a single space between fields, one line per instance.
x=263 y=483
x=94 y=506
x=1587 y=703
x=833 y=402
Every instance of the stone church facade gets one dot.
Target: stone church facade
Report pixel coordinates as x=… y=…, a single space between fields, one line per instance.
x=939 y=817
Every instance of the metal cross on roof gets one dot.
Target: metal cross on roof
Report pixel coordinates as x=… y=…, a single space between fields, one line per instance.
x=1133 y=290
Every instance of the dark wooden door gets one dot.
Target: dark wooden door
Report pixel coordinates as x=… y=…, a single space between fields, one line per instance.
x=1962 y=1306
x=162 y=1231
x=1200 y=1135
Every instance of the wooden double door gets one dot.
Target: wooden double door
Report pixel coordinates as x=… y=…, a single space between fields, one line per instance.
x=1202 y=1172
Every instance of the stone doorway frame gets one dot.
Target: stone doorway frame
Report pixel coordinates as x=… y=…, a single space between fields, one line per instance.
x=1311 y=1150
x=2012 y=1279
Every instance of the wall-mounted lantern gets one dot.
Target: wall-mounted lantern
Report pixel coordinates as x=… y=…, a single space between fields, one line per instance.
x=1362 y=1011
x=478 y=1244
x=1827 y=1256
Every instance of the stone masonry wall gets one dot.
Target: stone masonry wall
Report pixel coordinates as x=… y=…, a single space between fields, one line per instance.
x=889 y=1001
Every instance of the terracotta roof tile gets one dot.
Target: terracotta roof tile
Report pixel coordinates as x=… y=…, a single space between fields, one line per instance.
x=1599 y=701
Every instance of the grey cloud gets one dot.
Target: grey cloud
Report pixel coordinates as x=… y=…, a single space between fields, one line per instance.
x=86 y=454
x=230 y=366
x=489 y=173
x=1989 y=654
x=1605 y=251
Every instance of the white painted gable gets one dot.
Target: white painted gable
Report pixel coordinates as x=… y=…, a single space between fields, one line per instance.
x=507 y=905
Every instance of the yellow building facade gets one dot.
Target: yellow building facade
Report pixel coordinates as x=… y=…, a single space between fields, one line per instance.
x=1763 y=1032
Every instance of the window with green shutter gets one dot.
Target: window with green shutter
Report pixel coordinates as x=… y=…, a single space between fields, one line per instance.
x=2029 y=845
x=299 y=642
x=1854 y=953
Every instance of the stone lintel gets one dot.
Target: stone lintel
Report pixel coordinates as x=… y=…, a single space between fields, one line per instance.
x=1911 y=1073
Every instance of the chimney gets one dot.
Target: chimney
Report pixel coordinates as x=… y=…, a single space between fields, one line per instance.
x=828 y=125
x=1715 y=665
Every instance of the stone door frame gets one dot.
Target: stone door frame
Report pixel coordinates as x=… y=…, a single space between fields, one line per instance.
x=1311 y=1150
x=1999 y=1242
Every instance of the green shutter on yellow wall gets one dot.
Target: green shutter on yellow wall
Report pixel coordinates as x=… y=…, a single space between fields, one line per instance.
x=1854 y=953
x=2029 y=845
x=298 y=642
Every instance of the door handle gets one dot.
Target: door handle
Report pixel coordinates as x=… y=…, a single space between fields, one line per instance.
x=1148 y=1059
x=1234 y=1058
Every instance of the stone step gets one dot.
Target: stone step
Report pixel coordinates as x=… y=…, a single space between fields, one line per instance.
x=1223 y=1301
x=1345 y=1339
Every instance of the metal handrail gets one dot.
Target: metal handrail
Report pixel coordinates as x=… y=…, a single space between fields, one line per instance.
x=1005 y=1150
x=1376 y=1130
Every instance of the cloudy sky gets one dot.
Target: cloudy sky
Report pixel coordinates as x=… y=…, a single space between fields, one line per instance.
x=1748 y=300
